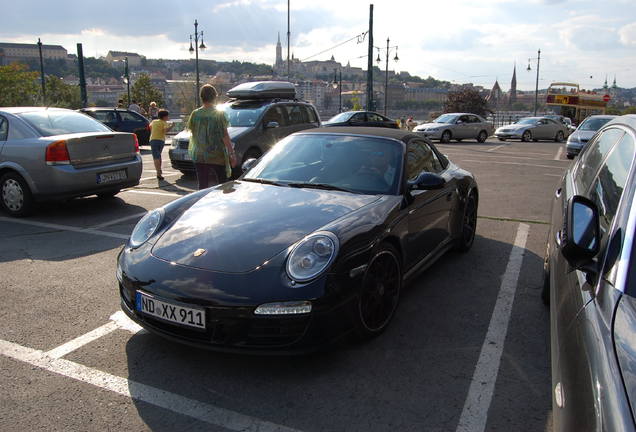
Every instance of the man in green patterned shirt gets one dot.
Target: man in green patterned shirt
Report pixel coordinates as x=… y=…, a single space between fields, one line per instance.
x=210 y=146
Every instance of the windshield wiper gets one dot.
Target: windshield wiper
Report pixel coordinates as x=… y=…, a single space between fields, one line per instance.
x=264 y=181
x=323 y=186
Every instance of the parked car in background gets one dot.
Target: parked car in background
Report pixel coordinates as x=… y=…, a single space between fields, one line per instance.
x=255 y=124
x=533 y=129
x=54 y=153
x=360 y=118
x=122 y=120
x=567 y=121
x=456 y=126
x=590 y=285
x=338 y=219
x=586 y=130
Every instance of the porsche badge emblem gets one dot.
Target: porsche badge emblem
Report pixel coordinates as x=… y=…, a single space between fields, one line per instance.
x=199 y=252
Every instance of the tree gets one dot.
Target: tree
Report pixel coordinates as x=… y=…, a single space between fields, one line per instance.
x=185 y=96
x=466 y=100
x=62 y=95
x=19 y=86
x=144 y=92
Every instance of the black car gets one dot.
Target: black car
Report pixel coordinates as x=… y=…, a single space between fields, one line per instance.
x=313 y=241
x=361 y=118
x=590 y=285
x=122 y=120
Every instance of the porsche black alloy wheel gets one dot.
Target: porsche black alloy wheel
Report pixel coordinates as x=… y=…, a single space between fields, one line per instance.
x=380 y=293
x=527 y=136
x=469 y=224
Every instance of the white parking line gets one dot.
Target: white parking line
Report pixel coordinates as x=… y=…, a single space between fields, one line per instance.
x=222 y=417
x=475 y=412
x=65 y=228
x=82 y=340
x=513 y=163
x=152 y=193
x=122 y=219
x=559 y=154
x=495 y=148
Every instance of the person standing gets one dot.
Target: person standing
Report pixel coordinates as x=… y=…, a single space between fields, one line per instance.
x=158 y=129
x=134 y=107
x=153 y=111
x=210 y=146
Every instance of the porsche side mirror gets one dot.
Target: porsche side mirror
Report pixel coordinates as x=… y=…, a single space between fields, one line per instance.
x=580 y=237
x=272 y=125
x=426 y=181
x=248 y=164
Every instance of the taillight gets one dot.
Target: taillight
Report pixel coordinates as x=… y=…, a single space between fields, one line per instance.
x=57 y=153
x=136 y=143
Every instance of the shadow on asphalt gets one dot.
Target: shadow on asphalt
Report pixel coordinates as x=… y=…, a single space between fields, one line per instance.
x=35 y=243
x=415 y=376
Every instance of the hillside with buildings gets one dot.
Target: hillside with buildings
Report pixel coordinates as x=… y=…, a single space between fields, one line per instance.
x=328 y=84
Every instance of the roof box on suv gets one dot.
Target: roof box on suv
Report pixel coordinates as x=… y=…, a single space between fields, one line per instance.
x=263 y=90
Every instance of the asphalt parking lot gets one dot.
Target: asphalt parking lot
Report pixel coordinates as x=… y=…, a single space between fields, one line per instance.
x=467 y=351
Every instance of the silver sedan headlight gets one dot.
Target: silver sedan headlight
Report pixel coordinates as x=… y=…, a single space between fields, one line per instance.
x=146 y=227
x=311 y=256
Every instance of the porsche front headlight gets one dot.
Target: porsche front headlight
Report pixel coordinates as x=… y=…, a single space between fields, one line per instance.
x=311 y=256
x=146 y=227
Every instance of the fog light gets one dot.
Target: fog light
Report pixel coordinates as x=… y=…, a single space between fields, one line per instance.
x=284 y=308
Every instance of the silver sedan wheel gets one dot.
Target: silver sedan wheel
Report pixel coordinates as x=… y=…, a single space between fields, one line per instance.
x=12 y=195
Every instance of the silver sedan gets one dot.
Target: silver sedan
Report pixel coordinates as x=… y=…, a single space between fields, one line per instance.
x=456 y=126
x=54 y=153
x=533 y=129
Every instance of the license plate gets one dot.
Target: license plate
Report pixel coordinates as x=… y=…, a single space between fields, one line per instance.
x=186 y=156
x=112 y=176
x=171 y=312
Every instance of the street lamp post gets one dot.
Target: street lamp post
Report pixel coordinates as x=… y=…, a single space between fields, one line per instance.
x=42 y=73
x=338 y=84
x=536 y=88
x=386 y=71
x=195 y=50
x=127 y=78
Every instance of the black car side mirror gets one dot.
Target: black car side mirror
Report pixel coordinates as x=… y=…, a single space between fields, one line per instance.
x=248 y=164
x=581 y=235
x=272 y=124
x=427 y=181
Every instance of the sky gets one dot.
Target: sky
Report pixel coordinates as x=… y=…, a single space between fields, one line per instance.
x=455 y=40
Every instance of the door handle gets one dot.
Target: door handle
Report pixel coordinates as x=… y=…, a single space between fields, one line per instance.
x=557 y=238
x=557 y=193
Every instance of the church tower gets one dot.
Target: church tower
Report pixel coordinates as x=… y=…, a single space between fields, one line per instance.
x=279 y=53
x=513 y=86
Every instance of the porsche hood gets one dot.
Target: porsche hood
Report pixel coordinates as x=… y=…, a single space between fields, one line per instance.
x=238 y=226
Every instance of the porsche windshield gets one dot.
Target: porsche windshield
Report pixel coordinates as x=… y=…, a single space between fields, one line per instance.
x=360 y=164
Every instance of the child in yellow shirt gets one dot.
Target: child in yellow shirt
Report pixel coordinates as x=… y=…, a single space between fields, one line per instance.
x=158 y=129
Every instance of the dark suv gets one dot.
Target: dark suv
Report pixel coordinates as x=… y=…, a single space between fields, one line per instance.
x=590 y=285
x=122 y=120
x=255 y=126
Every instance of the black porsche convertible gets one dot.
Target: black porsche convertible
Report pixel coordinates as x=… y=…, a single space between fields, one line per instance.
x=314 y=241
